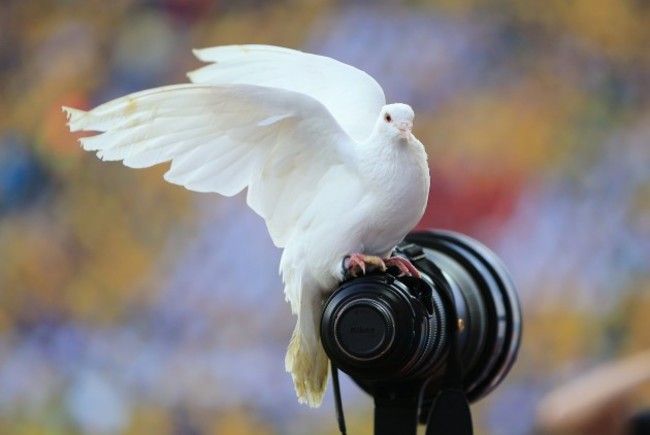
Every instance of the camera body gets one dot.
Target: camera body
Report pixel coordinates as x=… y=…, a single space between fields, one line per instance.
x=457 y=325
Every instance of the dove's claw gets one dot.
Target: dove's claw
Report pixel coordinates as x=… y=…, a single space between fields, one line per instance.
x=356 y=265
x=403 y=265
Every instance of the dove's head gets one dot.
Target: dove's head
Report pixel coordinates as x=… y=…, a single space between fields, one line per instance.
x=396 y=120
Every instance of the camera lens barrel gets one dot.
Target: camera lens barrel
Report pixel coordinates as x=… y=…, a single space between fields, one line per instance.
x=382 y=329
x=378 y=328
x=490 y=309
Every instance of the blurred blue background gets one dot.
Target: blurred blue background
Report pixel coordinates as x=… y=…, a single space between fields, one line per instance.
x=130 y=306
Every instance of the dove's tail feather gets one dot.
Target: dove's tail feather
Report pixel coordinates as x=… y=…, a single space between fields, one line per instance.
x=308 y=366
x=306 y=360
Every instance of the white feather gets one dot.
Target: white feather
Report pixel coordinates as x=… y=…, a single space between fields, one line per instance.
x=223 y=139
x=352 y=96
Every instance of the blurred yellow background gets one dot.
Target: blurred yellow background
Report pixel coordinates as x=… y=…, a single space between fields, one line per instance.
x=131 y=306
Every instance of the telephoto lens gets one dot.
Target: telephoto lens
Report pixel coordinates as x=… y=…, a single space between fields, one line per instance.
x=383 y=330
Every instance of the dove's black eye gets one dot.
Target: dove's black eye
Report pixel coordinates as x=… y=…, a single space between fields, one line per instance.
x=388 y=118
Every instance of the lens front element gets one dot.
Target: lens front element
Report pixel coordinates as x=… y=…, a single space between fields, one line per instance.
x=364 y=329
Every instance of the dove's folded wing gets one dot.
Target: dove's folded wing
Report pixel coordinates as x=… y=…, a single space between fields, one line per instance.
x=353 y=97
x=222 y=139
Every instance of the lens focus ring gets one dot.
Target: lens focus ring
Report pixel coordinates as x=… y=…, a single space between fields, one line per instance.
x=364 y=329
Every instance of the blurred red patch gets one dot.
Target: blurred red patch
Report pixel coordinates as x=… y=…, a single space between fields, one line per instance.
x=471 y=203
x=55 y=135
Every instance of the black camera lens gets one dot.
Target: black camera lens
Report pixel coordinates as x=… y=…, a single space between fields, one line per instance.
x=380 y=327
x=383 y=329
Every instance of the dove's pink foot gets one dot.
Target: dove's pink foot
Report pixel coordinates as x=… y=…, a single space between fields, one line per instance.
x=356 y=265
x=403 y=265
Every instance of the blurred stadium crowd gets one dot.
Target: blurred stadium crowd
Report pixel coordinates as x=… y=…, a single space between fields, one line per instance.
x=131 y=306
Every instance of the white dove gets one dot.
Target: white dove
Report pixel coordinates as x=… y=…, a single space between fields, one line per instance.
x=335 y=172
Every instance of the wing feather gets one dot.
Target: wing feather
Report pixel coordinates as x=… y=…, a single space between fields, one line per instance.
x=353 y=97
x=277 y=142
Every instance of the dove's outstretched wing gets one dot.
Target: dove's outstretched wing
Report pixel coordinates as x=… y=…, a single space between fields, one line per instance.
x=353 y=97
x=280 y=144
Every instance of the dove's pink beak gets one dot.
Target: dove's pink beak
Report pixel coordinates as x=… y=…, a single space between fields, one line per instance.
x=404 y=128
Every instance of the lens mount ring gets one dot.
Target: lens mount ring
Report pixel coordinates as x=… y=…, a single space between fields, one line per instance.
x=434 y=334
